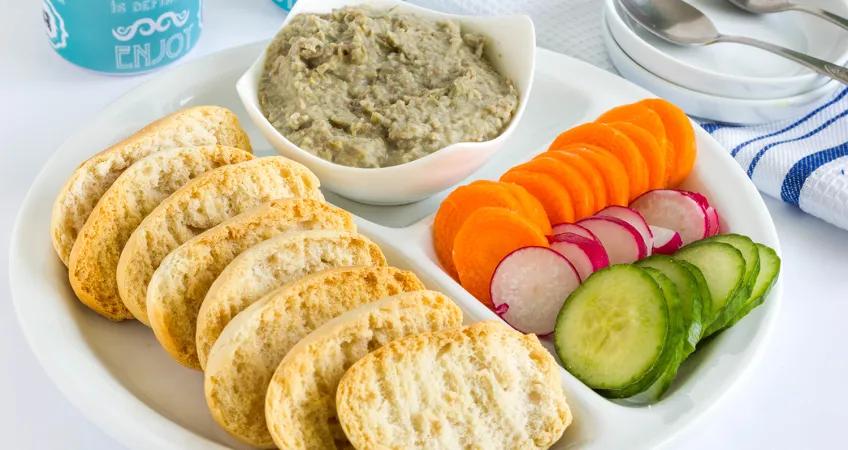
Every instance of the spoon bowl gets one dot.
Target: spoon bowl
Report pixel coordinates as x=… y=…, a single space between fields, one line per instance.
x=773 y=6
x=675 y=21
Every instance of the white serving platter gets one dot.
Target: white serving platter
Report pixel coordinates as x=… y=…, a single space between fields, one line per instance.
x=119 y=377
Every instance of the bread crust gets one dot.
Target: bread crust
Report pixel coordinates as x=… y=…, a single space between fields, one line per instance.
x=94 y=258
x=190 y=127
x=300 y=406
x=247 y=353
x=201 y=204
x=484 y=385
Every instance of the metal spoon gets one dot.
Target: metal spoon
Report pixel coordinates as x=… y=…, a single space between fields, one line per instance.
x=773 y=6
x=681 y=23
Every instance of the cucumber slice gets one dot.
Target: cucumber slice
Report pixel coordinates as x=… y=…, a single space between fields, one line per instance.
x=687 y=290
x=752 y=268
x=674 y=345
x=723 y=267
x=611 y=331
x=703 y=291
x=769 y=270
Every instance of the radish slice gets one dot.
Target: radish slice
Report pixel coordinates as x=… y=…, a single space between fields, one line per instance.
x=666 y=241
x=698 y=197
x=675 y=210
x=624 y=245
x=587 y=255
x=572 y=228
x=632 y=217
x=530 y=286
x=712 y=215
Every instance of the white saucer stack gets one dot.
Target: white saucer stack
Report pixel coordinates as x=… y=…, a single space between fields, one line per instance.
x=729 y=82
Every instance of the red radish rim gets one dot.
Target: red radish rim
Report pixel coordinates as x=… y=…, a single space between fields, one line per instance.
x=687 y=194
x=712 y=216
x=670 y=246
x=563 y=237
x=640 y=241
x=588 y=231
x=698 y=197
x=637 y=214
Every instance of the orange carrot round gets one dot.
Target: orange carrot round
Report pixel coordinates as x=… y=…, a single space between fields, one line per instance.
x=533 y=210
x=614 y=174
x=590 y=172
x=552 y=195
x=641 y=116
x=608 y=138
x=650 y=150
x=578 y=188
x=484 y=239
x=457 y=207
x=681 y=134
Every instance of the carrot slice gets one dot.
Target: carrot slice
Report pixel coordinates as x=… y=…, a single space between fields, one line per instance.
x=652 y=152
x=456 y=208
x=578 y=188
x=593 y=175
x=681 y=134
x=614 y=173
x=486 y=237
x=608 y=138
x=552 y=195
x=641 y=116
x=533 y=209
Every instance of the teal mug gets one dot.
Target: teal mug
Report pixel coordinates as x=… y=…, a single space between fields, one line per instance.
x=122 y=36
x=285 y=4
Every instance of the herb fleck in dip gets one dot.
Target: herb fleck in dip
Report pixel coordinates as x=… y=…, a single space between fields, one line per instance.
x=367 y=88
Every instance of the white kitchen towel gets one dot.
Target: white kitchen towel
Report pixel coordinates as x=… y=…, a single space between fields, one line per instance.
x=802 y=161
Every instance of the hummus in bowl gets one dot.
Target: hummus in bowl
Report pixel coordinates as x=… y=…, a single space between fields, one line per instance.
x=388 y=131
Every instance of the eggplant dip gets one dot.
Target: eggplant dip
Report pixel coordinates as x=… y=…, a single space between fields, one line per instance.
x=367 y=88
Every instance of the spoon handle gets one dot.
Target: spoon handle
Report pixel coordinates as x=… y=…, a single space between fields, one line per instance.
x=826 y=15
x=823 y=67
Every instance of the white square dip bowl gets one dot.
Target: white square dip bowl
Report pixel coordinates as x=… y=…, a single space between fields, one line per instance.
x=512 y=51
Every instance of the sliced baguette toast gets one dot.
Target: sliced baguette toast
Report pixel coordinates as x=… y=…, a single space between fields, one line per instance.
x=185 y=276
x=480 y=386
x=201 y=204
x=300 y=406
x=139 y=190
x=247 y=353
x=263 y=268
x=191 y=127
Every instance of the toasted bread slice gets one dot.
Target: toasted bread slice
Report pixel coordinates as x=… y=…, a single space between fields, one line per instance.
x=250 y=276
x=300 y=406
x=185 y=276
x=480 y=386
x=255 y=273
x=140 y=189
x=191 y=127
x=247 y=353
x=201 y=204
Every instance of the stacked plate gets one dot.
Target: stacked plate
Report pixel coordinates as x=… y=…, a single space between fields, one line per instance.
x=730 y=83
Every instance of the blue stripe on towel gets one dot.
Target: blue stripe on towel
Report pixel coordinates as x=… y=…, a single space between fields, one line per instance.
x=811 y=133
x=791 y=126
x=790 y=191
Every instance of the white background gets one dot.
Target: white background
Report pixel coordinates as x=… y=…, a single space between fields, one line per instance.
x=794 y=399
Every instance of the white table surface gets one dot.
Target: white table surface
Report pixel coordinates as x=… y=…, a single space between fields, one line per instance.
x=793 y=399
